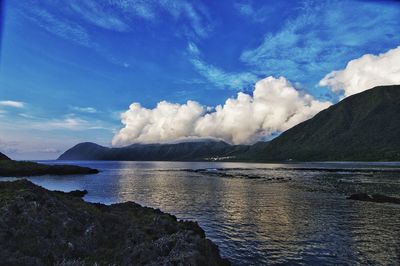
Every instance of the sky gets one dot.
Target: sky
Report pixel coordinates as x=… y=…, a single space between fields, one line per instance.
x=119 y=72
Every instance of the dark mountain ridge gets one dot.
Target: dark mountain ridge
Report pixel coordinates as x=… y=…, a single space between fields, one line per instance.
x=362 y=127
x=3 y=157
x=185 y=151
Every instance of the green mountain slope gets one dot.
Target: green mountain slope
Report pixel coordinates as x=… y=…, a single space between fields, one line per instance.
x=364 y=127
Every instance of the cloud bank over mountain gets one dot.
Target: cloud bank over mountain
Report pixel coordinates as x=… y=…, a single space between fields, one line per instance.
x=365 y=72
x=274 y=106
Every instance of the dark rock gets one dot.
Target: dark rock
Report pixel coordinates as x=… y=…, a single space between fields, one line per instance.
x=41 y=227
x=25 y=168
x=360 y=196
x=374 y=198
x=75 y=193
x=78 y=193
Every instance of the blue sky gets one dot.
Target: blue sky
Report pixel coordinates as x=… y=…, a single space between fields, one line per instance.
x=74 y=66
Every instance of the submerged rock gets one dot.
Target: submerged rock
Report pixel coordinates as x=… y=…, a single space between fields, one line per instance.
x=25 y=168
x=374 y=198
x=41 y=227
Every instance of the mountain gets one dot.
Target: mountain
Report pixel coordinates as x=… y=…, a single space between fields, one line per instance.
x=198 y=151
x=4 y=157
x=362 y=127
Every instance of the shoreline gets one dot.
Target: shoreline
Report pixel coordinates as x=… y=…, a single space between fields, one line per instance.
x=46 y=227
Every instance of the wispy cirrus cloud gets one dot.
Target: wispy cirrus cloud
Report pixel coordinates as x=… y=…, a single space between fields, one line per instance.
x=256 y=14
x=75 y=21
x=322 y=36
x=15 y=104
x=217 y=76
x=200 y=22
x=62 y=27
x=70 y=122
x=89 y=109
x=121 y=15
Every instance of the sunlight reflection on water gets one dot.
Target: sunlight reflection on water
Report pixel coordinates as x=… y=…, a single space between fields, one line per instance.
x=275 y=216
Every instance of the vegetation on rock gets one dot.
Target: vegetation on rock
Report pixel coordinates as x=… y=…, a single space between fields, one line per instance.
x=41 y=227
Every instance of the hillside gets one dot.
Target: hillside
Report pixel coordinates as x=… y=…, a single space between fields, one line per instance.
x=3 y=157
x=206 y=150
x=362 y=127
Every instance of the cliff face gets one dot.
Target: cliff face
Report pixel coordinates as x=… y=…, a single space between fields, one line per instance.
x=41 y=227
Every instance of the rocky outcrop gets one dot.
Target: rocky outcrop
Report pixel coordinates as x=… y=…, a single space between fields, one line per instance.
x=23 y=168
x=41 y=227
x=374 y=198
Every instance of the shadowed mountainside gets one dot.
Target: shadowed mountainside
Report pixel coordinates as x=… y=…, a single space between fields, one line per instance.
x=41 y=227
x=185 y=151
x=3 y=157
x=362 y=127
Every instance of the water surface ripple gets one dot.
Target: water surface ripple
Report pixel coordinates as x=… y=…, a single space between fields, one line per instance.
x=263 y=213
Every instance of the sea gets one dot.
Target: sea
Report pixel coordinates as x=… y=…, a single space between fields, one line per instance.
x=261 y=214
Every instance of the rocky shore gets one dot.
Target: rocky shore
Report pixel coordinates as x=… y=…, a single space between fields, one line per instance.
x=41 y=227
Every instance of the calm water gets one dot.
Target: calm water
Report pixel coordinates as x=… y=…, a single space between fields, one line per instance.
x=261 y=213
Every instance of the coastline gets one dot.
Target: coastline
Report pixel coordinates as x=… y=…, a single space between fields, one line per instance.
x=48 y=227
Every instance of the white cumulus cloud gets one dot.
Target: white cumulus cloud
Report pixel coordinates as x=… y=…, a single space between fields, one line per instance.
x=274 y=106
x=365 y=72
